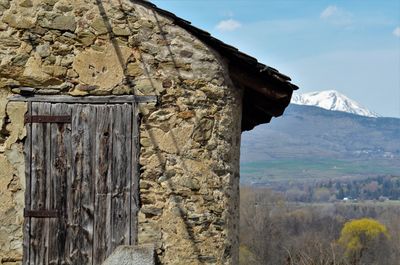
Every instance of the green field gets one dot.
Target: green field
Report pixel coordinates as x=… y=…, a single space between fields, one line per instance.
x=294 y=169
x=366 y=203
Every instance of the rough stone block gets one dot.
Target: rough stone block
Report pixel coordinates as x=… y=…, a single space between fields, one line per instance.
x=132 y=255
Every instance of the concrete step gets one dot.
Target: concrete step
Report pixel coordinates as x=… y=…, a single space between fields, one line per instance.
x=132 y=255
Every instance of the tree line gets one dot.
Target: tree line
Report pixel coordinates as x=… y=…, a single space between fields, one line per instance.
x=371 y=188
x=274 y=231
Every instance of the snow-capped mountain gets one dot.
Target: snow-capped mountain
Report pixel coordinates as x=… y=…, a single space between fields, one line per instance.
x=332 y=100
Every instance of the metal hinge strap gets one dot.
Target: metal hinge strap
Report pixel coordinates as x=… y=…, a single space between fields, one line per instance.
x=41 y=213
x=48 y=119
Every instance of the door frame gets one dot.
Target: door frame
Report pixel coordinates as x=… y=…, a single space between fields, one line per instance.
x=129 y=99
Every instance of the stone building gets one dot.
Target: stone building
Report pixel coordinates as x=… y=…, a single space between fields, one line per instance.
x=120 y=124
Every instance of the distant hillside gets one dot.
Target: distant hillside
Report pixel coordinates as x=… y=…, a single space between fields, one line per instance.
x=311 y=142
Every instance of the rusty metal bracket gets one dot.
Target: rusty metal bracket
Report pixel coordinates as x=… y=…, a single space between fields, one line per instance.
x=47 y=119
x=41 y=213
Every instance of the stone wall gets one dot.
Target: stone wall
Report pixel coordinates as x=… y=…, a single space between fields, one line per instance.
x=12 y=179
x=189 y=142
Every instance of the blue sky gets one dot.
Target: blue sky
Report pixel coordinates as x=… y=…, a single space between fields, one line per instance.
x=352 y=46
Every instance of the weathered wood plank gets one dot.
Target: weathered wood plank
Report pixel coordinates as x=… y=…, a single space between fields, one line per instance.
x=73 y=188
x=46 y=109
x=72 y=254
x=88 y=99
x=134 y=190
x=28 y=159
x=103 y=164
x=60 y=163
x=87 y=191
x=121 y=173
x=80 y=203
x=40 y=173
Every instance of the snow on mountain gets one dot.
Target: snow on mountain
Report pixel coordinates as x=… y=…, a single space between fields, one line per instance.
x=332 y=100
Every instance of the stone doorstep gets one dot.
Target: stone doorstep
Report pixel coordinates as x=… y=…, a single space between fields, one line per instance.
x=132 y=255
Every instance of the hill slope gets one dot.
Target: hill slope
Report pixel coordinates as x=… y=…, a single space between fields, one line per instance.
x=311 y=142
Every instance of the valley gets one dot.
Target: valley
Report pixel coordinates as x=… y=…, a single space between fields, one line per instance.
x=309 y=142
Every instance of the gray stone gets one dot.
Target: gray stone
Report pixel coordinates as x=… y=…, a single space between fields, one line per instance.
x=86 y=87
x=51 y=59
x=69 y=35
x=64 y=8
x=100 y=92
x=9 y=42
x=187 y=54
x=59 y=22
x=99 y=26
x=43 y=50
x=192 y=184
x=4 y=4
x=24 y=90
x=121 y=90
x=132 y=255
x=64 y=86
x=48 y=91
x=149 y=86
x=64 y=23
x=20 y=59
x=71 y=73
x=151 y=211
x=18 y=21
x=50 y=2
x=203 y=130
x=26 y=3
x=3 y=26
x=121 y=31
x=134 y=69
x=86 y=38
x=67 y=60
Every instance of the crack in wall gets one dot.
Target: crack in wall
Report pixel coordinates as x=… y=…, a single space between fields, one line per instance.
x=4 y=133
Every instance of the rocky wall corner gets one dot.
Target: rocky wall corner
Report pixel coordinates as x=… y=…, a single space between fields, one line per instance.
x=12 y=179
x=190 y=178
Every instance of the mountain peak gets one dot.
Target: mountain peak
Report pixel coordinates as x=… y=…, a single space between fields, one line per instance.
x=332 y=100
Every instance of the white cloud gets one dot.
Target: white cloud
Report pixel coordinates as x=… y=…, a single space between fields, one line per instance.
x=337 y=16
x=228 y=25
x=328 y=12
x=396 y=32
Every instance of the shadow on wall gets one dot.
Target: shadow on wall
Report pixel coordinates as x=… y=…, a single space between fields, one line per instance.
x=130 y=83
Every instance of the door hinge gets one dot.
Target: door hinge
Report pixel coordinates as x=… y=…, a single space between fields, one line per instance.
x=47 y=119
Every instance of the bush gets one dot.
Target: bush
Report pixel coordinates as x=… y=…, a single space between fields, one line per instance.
x=364 y=237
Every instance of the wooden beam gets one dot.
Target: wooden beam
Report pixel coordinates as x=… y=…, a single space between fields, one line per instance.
x=270 y=88
x=87 y=99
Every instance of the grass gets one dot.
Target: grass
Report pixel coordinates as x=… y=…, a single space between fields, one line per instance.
x=290 y=169
x=366 y=203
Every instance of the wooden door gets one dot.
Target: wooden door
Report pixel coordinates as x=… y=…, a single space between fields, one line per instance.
x=81 y=192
